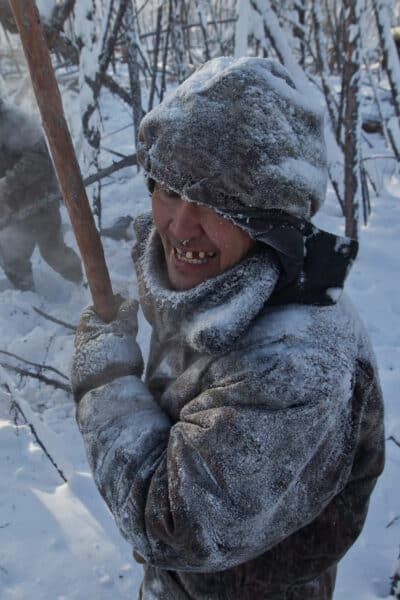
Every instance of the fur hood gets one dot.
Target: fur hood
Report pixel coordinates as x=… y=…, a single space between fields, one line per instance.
x=238 y=134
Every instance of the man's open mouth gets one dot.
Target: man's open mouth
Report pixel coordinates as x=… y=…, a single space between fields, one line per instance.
x=194 y=257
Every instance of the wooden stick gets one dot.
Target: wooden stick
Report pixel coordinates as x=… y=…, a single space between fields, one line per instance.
x=68 y=172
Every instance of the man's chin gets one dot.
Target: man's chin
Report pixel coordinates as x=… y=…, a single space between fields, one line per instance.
x=182 y=280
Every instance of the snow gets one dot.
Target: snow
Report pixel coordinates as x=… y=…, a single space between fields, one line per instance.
x=58 y=540
x=242 y=28
x=365 y=572
x=282 y=47
x=45 y=8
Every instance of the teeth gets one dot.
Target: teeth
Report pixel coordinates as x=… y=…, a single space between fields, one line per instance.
x=194 y=257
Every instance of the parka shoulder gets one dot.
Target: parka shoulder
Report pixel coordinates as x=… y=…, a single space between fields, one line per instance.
x=304 y=352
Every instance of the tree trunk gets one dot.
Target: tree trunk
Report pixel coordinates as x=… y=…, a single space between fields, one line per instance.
x=322 y=64
x=88 y=39
x=353 y=9
x=277 y=38
x=132 y=56
x=166 y=51
x=202 y=14
x=180 y=63
x=156 y=51
x=299 y=32
x=390 y=56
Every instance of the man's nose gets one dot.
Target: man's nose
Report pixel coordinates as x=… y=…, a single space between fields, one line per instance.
x=185 y=223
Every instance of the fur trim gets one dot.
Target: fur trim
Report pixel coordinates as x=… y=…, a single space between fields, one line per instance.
x=238 y=134
x=212 y=315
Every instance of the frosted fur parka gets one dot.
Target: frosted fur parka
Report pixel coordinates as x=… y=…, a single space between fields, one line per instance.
x=27 y=178
x=241 y=468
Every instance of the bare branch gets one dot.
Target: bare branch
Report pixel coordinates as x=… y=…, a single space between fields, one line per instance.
x=33 y=364
x=128 y=161
x=393 y=521
x=61 y=13
x=394 y=440
x=155 y=56
x=116 y=89
x=47 y=380
x=50 y=318
x=14 y=404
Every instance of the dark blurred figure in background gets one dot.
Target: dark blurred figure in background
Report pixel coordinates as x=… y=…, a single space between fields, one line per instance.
x=29 y=202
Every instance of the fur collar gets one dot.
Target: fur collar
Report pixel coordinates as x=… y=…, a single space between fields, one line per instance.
x=211 y=316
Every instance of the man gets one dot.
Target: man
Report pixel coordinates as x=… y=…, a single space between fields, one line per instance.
x=241 y=468
x=29 y=203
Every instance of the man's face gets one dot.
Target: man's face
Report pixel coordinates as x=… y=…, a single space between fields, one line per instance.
x=212 y=244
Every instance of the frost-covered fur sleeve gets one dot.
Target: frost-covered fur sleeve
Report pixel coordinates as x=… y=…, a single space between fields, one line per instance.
x=255 y=456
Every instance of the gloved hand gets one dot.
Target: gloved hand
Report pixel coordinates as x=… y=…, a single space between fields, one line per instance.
x=105 y=351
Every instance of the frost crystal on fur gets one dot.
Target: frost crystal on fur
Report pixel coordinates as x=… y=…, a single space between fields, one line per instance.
x=252 y=438
x=238 y=133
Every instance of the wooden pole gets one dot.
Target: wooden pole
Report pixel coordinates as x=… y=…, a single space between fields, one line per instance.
x=68 y=172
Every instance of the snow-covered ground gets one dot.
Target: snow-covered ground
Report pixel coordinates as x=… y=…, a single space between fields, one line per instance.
x=374 y=287
x=57 y=539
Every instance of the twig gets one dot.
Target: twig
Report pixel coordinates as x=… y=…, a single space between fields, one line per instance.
x=129 y=161
x=50 y=318
x=372 y=182
x=393 y=521
x=335 y=186
x=44 y=358
x=38 y=440
x=139 y=10
x=15 y=404
x=212 y=23
x=113 y=152
x=165 y=53
x=61 y=13
x=115 y=88
x=393 y=439
x=47 y=380
x=366 y=140
x=375 y=156
x=33 y=364
x=107 y=135
x=155 y=57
